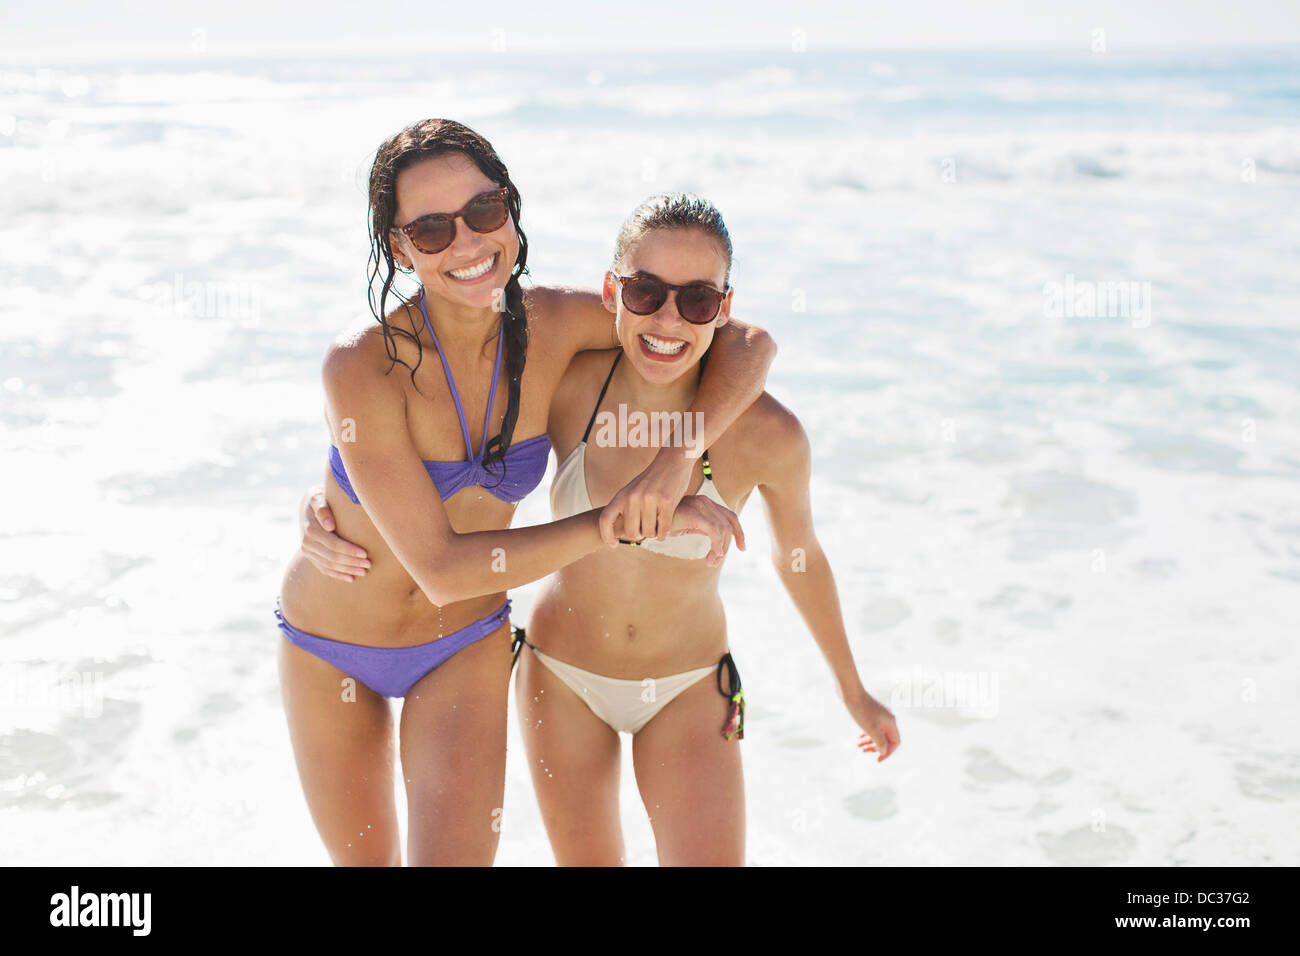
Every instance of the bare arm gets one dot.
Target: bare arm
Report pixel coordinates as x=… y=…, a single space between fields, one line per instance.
x=736 y=373
x=806 y=574
x=389 y=478
x=577 y=320
x=733 y=378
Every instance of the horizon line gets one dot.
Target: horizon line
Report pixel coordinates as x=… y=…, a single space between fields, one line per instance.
x=59 y=55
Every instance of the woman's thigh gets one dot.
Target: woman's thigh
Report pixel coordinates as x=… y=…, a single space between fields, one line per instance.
x=574 y=759
x=342 y=737
x=453 y=746
x=691 y=781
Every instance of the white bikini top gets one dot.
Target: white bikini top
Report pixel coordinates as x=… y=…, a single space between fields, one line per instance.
x=569 y=493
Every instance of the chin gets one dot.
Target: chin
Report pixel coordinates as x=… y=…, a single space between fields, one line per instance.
x=489 y=297
x=481 y=298
x=661 y=374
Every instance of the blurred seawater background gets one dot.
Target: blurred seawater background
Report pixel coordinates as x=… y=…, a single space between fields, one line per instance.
x=1089 y=518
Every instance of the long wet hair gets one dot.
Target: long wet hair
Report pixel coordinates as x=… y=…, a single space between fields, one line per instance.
x=424 y=140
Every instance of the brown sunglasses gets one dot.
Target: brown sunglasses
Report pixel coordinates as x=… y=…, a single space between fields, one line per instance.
x=486 y=212
x=697 y=303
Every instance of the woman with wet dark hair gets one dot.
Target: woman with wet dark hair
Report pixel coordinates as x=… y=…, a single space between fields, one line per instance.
x=424 y=616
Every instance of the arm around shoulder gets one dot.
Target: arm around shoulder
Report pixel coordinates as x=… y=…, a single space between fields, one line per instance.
x=574 y=320
x=365 y=408
x=733 y=378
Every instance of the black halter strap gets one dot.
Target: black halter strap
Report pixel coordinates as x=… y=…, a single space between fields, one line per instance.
x=603 y=388
x=708 y=471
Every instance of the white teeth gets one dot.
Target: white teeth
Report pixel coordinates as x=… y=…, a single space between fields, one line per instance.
x=481 y=269
x=661 y=346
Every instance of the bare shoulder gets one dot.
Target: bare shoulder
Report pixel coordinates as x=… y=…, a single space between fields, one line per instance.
x=359 y=357
x=592 y=362
x=770 y=422
x=543 y=306
x=551 y=302
x=569 y=320
x=575 y=395
x=768 y=441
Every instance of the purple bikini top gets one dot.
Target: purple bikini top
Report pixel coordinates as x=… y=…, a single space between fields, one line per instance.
x=525 y=462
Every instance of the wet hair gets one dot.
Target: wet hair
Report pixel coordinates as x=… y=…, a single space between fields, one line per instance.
x=425 y=140
x=674 y=211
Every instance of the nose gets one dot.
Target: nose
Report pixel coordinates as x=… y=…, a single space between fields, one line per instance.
x=667 y=317
x=464 y=239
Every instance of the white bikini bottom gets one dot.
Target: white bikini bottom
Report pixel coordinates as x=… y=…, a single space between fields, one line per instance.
x=626 y=705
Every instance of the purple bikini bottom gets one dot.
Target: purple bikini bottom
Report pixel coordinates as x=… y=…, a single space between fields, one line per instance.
x=392 y=671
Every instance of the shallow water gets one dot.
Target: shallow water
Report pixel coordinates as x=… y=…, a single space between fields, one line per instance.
x=1067 y=545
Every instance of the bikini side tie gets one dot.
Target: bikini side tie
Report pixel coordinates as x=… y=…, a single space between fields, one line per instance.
x=735 y=725
x=517 y=641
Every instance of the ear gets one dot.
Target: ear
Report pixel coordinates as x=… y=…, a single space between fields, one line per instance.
x=724 y=312
x=399 y=253
x=607 y=292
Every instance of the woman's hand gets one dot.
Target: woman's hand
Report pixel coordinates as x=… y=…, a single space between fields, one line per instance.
x=328 y=553
x=647 y=502
x=697 y=514
x=649 y=505
x=877 y=721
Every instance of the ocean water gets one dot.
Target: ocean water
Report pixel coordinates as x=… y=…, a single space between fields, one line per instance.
x=1035 y=310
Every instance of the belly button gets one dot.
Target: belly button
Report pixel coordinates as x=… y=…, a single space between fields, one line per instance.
x=631 y=631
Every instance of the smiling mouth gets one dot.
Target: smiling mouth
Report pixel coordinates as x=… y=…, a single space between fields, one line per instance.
x=662 y=346
x=475 y=270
